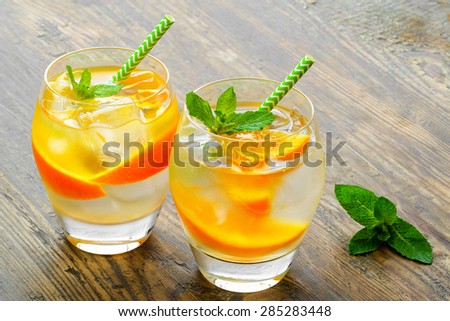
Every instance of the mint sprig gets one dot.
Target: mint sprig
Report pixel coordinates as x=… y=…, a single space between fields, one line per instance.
x=225 y=120
x=382 y=225
x=84 y=90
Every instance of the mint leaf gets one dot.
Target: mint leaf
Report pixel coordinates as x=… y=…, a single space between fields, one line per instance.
x=250 y=121
x=382 y=232
x=409 y=242
x=104 y=90
x=385 y=211
x=85 y=83
x=364 y=241
x=359 y=203
x=200 y=109
x=82 y=87
x=226 y=120
x=84 y=90
x=223 y=127
x=226 y=104
x=379 y=215
x=72 y=78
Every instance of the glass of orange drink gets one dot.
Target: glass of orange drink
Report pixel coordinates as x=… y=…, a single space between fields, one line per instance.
x=103 y=160
x=246 y=200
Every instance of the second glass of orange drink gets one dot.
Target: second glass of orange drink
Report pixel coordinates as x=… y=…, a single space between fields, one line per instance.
x=103 y=154
x=246 y=197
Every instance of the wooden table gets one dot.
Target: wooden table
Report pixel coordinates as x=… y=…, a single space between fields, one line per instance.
x=380 y=84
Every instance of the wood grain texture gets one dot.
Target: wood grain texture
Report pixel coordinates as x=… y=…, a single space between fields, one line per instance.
x=381 y=84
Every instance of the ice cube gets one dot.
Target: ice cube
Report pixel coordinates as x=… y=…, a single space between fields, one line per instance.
x=109 y=114
x=61 y=87
x=113 y=101
x=282 y=121
x=152 y=190
x=141 y=80
x=71 y=123
x=57 y=145
x=119 y=143
x=83 y=118
x=298 y=194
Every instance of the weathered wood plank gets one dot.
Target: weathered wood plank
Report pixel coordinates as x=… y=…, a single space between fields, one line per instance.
x=381 y=83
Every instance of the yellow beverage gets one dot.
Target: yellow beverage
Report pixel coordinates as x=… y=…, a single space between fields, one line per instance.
x=246 y=200
x=253 y=206
x=104 y=160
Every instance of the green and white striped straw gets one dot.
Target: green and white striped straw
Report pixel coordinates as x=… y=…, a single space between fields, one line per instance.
x=144 y=48
x=287 y=83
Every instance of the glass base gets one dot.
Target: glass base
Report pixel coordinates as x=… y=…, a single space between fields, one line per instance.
x=108 y=239
x=243 y=277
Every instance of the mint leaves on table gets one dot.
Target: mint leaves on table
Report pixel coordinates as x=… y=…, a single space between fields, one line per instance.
x=225 y=120
x=381 y=224
x=84 y=90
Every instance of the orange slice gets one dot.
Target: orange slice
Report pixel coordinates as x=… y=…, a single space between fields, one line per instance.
x=138 y=77
x=64 y=184
x=244 y=239
x=234 y=230
x=140 y=166
x=290 y=148
x=252 y=193
x=287 y=148
x=260 y=206
x=248 y=160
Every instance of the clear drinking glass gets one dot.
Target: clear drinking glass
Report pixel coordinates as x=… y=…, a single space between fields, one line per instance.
x=104 y=161
x=246 y=200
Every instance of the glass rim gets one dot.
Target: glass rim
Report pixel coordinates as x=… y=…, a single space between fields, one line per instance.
x=221 y=137
x=51 y=64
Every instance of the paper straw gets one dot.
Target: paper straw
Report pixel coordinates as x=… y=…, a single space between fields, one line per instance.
x=144 y=48
x=287 y=83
